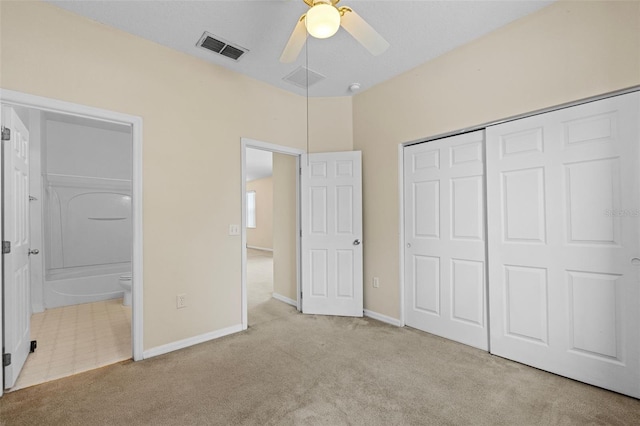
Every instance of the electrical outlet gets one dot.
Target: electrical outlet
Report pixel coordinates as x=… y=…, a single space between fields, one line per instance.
x=234 y=229
x=181 y=301
x=376 y=282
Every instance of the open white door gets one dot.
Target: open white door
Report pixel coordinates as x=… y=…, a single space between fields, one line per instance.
x=331 y=213
x=17 y=305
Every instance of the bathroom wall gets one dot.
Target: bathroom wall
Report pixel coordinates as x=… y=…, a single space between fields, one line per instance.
x=87 y=209
x=92 y=148
x=262 y=235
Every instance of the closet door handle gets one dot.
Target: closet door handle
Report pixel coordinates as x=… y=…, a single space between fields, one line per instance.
x=356 y=242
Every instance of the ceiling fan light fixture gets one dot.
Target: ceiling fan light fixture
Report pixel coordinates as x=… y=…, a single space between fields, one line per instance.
x=322 y=20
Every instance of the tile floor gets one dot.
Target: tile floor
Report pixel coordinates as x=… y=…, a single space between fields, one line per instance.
x=73 y=339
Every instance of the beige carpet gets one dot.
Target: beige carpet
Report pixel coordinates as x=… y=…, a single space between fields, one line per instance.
x=294 y=369
x=259 y=277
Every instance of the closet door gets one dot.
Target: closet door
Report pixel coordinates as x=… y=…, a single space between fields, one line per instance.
x=564 y=255
x=445 y=291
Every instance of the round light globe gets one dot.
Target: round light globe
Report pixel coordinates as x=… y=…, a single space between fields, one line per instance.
x=322 y=21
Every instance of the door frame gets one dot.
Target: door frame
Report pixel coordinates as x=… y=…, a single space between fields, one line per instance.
x=20 y=99
x=483 y=126
x=246 y=143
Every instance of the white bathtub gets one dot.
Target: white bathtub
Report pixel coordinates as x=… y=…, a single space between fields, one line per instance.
x=88 y=238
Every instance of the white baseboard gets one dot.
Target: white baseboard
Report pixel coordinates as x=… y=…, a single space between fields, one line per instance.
x=260 y=248
x=383 y=318
x=285 y=299
x=185 y=343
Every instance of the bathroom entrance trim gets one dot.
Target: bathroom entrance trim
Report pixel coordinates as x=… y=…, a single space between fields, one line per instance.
x=13 y=98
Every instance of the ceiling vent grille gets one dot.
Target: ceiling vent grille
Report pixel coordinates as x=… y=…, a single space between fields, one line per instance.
x=304 y=77
x=219 y=45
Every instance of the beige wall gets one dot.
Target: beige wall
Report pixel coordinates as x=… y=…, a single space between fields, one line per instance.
x=194 y=118
x=262 y=235
x=565 y=52
x=194 y=115
x=330 y=124
x=284 y=226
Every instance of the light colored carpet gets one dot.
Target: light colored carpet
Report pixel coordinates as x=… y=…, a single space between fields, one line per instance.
x=260 y=288
x=294 y=369
x=259 y=277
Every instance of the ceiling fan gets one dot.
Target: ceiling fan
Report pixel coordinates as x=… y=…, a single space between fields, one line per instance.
x=323 y=20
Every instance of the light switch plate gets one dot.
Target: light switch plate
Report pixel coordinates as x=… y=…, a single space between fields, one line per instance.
x=234 y=229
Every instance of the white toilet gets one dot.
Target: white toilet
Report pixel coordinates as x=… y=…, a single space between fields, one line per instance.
x=125 y=283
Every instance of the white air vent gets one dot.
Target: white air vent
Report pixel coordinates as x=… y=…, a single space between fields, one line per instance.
x=304 y=77
x=221 y=46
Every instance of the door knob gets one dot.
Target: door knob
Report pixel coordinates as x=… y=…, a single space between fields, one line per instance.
x=34 y=251
x=635 y=261
x=408 y=245
x=356 y=242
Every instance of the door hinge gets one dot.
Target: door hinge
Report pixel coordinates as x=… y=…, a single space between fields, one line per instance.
x=33 y=346
x=6 y=360
x=6 y=133
x=6 y=247
x=300 y=295
x=300 y=171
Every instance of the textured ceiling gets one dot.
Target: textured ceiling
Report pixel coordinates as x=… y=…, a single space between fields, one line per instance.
x=417 y=31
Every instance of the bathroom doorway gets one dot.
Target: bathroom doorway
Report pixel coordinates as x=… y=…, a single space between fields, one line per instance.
x=84 y=220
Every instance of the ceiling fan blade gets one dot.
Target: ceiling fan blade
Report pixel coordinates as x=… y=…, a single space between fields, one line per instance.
x=363 y=32
x=295 y=43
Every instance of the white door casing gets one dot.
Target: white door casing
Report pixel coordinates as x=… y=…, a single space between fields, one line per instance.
x=444 y=235
x=68 y=108
x=331 y=213
x=17 y=304
x=564 y=242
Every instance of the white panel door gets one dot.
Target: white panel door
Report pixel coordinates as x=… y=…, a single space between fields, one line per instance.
x=445 y=290
x=332 y=234
x=17 y=304
x=564 y=253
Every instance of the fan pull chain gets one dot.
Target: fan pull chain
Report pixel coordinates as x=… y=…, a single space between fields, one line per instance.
x=306 y=54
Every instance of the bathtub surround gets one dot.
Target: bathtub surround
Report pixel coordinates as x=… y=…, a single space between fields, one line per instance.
x=86 y=175
x=88 y=236
x=71 y=156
